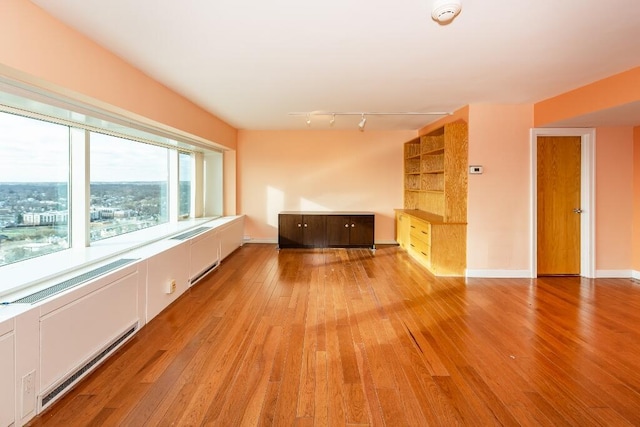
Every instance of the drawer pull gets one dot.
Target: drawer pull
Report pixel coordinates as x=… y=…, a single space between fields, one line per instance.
x=423 y=253
x=423 y=232
x=413 y=226
x=412 y=245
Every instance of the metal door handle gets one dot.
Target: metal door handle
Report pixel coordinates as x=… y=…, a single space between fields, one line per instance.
x=577 y=210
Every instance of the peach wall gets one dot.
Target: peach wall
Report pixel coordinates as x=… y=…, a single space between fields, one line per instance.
x=37 y=49
x=613 y=91
x=499 y=212
x=636 y=201
x=319 y=170
x=614 y=198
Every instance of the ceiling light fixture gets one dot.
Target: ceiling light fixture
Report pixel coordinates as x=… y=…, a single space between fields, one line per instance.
x=362 y=123
x=362 y=114
x=445 y=10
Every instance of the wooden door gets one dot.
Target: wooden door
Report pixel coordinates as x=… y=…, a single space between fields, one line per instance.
x=289 y=230
x=314 y=231
x=558 y=200
x=338 y=230
x=361 y=230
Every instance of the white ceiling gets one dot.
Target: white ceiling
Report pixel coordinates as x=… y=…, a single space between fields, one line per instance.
x=250 y=62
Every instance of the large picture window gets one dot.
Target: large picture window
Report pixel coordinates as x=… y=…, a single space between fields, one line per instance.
x=34 y=188
x=74 y=176
x=129 y=186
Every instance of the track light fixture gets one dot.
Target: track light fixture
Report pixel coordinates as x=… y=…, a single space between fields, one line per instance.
x=362 y=123
x=362 y=114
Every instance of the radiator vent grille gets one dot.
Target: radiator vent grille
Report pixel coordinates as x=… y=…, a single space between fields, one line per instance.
x=71 y=380
x=188 y=234
x=74 y=281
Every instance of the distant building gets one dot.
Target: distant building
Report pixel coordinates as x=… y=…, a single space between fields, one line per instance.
x=45 y=218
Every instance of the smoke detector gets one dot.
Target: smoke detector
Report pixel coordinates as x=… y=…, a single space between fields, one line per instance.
x=445 y=10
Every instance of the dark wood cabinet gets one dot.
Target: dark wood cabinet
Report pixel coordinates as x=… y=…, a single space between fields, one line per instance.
x=326 y=229
x=350 y=230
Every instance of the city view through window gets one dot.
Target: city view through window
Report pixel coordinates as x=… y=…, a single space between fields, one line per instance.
x=128 y=187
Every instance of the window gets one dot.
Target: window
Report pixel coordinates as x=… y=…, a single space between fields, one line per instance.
x=129 y=186
x=34 y=188
x=184 y=171
x=72 y=176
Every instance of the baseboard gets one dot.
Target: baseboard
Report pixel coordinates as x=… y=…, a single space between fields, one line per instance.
x=635 y=274
x=616 y=274
x=499 y=274
x=275 y=241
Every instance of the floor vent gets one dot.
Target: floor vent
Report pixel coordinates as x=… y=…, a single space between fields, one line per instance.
x=74 y=281
x=73 y=378
x=188 y=234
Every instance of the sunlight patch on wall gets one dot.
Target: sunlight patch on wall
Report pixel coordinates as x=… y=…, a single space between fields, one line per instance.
x=308 y=205
x=275 y=204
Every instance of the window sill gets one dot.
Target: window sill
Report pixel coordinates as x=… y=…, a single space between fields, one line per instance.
x=21 y=278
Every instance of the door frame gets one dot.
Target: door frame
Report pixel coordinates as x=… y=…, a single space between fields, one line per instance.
x=587 y=196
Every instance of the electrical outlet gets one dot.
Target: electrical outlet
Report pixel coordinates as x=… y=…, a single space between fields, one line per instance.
x=172 y=287
x=28 y=393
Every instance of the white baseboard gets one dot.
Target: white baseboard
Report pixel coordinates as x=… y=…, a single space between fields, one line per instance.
x=499 y=274
x=635 y=274
x=615 y=274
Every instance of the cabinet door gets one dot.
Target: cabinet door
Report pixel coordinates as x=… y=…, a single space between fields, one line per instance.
x=338 y=230
x=361 y=230
x=289 y=230
x=314 y=231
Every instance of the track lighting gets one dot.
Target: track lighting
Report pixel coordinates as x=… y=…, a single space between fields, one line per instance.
x=362 y=123
x=362 y=114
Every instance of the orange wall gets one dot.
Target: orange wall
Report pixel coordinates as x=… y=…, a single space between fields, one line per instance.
x=636 y=200
x=614 y=198
x=319 y=170
x=37 y=49
x=498 y=213
x=610 y=92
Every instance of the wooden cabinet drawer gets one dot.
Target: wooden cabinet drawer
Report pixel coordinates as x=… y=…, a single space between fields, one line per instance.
x=420 y=230
x=421 y=251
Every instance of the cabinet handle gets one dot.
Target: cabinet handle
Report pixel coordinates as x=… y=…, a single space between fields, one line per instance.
x=299 y=225
x=412 y=245
x=423 y=232
x=353 y=225
x=423 y=253
x=346 y=225
x=305 y=226
x=413 y=226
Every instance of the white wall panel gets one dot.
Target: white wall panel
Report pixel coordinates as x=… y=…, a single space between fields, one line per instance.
x=172 y=264
x=7 y=379
x=74 y=333
x=205 y=250
x=231 y=237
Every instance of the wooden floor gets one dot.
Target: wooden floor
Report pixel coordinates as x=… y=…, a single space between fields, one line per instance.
x=344 y=337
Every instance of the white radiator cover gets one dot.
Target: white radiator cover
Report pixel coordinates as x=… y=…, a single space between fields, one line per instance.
x=73 y=334
x=55 y=338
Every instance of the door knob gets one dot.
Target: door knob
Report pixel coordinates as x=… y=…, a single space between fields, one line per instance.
x=577 y=210
x=346 y=225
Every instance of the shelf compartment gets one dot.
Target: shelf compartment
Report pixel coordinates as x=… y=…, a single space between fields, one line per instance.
x=412 y=149
x=412 y=182
x=432 y=182
x=412 y=165
x=432 y=163
x=430 y=143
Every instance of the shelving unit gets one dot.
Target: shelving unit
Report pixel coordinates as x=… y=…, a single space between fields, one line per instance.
x=432 y=225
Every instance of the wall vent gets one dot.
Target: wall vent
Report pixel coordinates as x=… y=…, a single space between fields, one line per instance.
x=73 y=282
x=75 y=377
x=191 y=233
x=201 y=276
